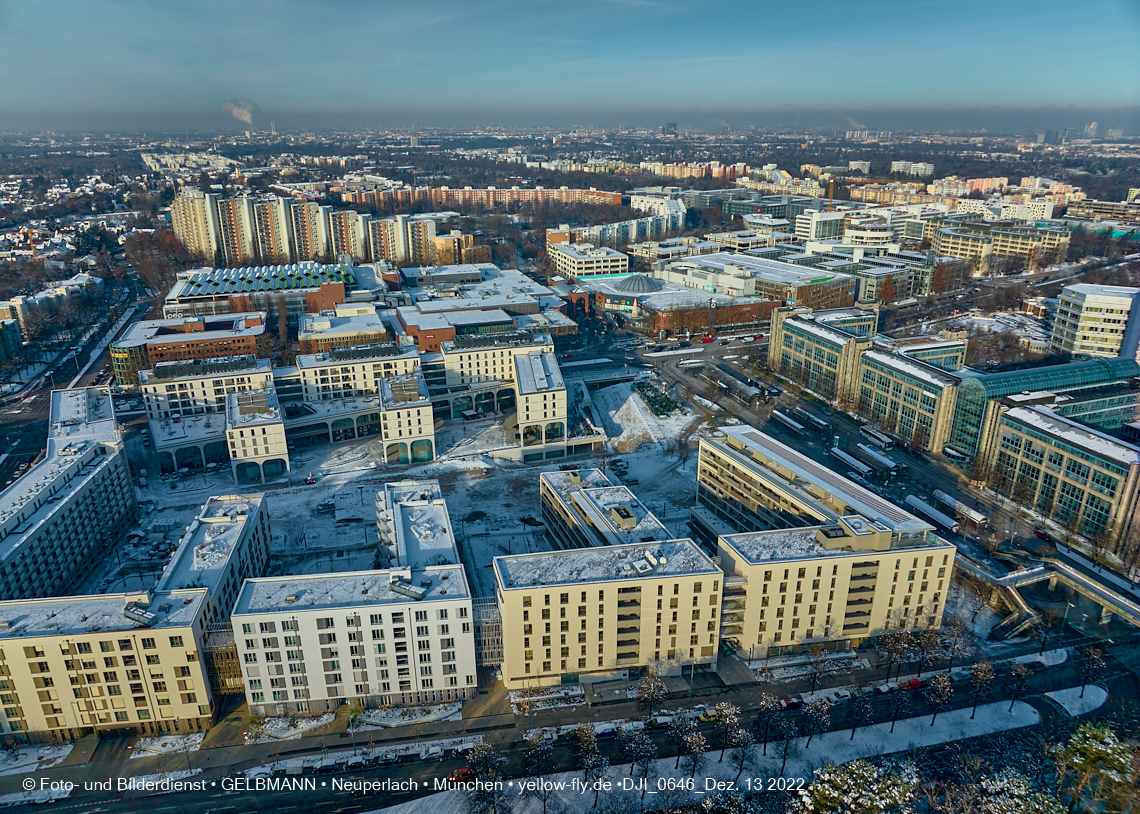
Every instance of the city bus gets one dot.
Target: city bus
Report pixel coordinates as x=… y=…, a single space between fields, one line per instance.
x=858 y=467
x=813 y=421
x=876 y=437
x=789 y=423
x=928 y=512
x=884 y=464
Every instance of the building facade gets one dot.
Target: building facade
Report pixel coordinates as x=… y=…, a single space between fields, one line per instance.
x=1091 y=320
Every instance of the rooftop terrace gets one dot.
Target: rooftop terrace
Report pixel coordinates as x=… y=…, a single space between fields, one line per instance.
x=610 y=564
x=354 y=589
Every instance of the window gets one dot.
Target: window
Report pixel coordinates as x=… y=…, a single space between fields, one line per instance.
x=176 y=641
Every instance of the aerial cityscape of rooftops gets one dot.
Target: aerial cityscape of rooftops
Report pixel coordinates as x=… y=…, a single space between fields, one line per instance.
x=692 y=466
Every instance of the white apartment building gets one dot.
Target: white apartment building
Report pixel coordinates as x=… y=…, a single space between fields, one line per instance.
x=65 y=510
x=658 y=205
x=76 y=665
x=352 y=372
x=586 y=260
x=310 y=643
x=227 y=542
x=1092 y=320
x=402 y=635
x=540 y=406
x=200 y=386
x=604 y=614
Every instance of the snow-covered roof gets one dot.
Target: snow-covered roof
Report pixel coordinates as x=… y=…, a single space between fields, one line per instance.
x=417 y=514
x=317 y=326
x=102 y=613
x=910 y=367
x=537 y=372
x=192 y=329
x=1070 y=432
x=608 y=564
x=806 y=324
x=818 y=487
x=208 y=543
x=762 y=268
x=81 y=421
x=252 y=408
x=353 y=589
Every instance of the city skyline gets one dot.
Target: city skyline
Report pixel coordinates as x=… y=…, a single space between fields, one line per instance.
x=445 y=64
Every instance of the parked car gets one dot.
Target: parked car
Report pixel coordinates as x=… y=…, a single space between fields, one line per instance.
x=913 y=684
x=707 y=717
x=1041 y=534
x=883 y=689
x=708 y=339
x=724 y=341
x=460 y=775
x=840 y=695
x=791 y=702
x=661 y=721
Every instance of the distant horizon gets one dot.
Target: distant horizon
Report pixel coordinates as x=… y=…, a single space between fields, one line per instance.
x=996 y=122
x=889 y=64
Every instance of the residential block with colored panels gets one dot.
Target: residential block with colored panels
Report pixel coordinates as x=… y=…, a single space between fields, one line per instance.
x=145 y=344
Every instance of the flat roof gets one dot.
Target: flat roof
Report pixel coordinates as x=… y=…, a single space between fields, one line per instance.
x=383 y=352
x=252 y=408
x=167 y=331
x=206 y=282
x=912 y=367
x=351 y=589
x=422 y=525
x=206 y=546
x=1071 y=432
x=609 y=564
x=864 y=502
x=780 y=545
x=537 y=372
x=102 y=613
x=1093 y=290
x=585 y=251
x=318 y=325
x=762 y=268
x=186 y=369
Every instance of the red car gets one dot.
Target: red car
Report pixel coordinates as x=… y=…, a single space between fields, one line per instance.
x=1041 y=534
x=567 y=356
x=792 y=703
x=461 y=775
x=913 y=684
x=708 y=339
x=724 y=341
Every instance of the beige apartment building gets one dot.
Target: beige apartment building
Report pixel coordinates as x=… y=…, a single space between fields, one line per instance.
x=835 y=585
x=200 y=386
x=607 y=613
x=583 y=509
x=255 y=435
x=488 y=358
x=355 y=371
x=72 y=666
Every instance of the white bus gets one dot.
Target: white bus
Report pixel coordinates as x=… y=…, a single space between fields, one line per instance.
x=876 y=437
x=858 y=467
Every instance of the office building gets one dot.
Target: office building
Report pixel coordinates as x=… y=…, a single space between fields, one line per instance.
x=578 y=260
x=1124 y=212
x=672 y=248
x=63 y=513
x=148 y=343
x=77 y=665
x=604 y=614
x=1093 y=320
x=778 y=281
x=816 y=225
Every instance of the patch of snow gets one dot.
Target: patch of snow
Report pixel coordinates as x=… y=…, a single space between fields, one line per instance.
x=284 y=729
x=167 y=744
x=1071 y=701
x=403 y=716
x=31 y=758
x=1050 y=658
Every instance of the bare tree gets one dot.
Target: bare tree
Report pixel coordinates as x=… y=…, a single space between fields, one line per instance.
x=767 y=713
x=816 y=719
x=1092 y=665
x=1019 y=675
x=981 y=680
x=939 y=693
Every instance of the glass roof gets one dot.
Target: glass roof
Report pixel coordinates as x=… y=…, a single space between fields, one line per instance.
x=1056 y=377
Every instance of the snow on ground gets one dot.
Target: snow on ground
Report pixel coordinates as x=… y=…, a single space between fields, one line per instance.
x=786 y=672
x=832 y=747
x=284 y=729
x=29 y=758
x=1072 y=702
x=1050 y=658
x=568 y=695
x=167 y=744
x=310 y=762
x=716 y=408
x=629 y=421
x=403 y=716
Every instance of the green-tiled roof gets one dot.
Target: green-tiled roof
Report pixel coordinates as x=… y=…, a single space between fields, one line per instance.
x=1056 y=377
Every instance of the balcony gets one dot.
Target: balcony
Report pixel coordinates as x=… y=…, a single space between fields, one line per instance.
x=626 y=656
x=628 y=643
x=863 y=577
x=624 y=630
x=729 y=605
x=731 y=629
x=865 y=589
x=856 y=614
x=629 y=603
x=859 y=627
x=629 y=617
x=733 y=616
x=853 y=602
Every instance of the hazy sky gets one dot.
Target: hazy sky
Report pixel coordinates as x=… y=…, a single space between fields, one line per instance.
x=155 y=62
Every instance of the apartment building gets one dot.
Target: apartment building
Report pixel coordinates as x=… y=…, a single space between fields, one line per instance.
x=145 y=344
x=76 y=665
x=342 y=327
x=311 y=643
x=200 y=386
x=748 y=481
x=1093 y=320
x=1078 y=476
x=835 y=585
x=227 y=543
x=1126 y=211
x=540 y=408
x=817 y=225
x=487 y=358
x=405 y=632
x=583 y=509
x=350 y=372
x=588 y=615
x=255 y=435
x=672 y=248
x=407 y=423
x=576 y=260
x=981 y=241
x=64 y=511
x=489 y=197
